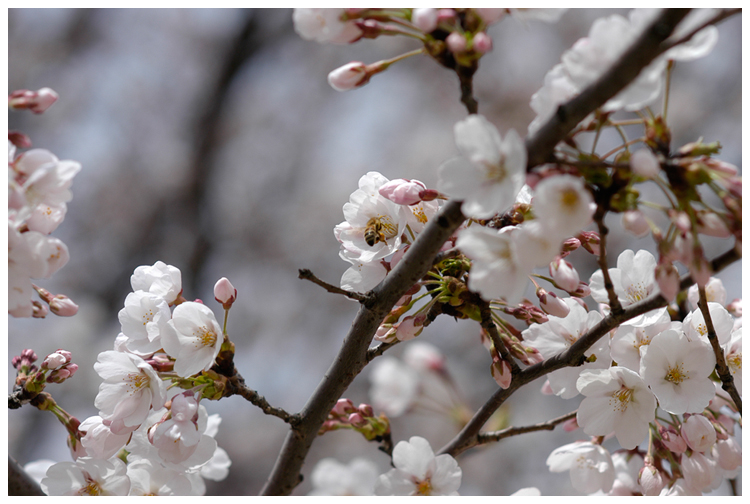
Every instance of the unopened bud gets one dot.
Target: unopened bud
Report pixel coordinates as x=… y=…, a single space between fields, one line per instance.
x=481 y=43
x=56 y=359
x=446 y=15
x=39 y=310
x=564 y=274
x=403 y=191
x=635 y=222
x=36 y=101
x=698 y=433
x=456 y=43
x=225 y=293
x=357 y=420
x=366 y=410
x=643 y=163
x=501 y=373
x=19 y=139
x=583 y=290
x=735 y=308
x=672 y=440
x=550 y=303
x=429 y=195
x=354 y=74
x=62 y=374
x=590 y=241
x=680 y=219
x=425 y=19
x=668 y=279
x=651 y=480
x=709 y=223
x=571 y=244
x=343 y=407
x=62 y=306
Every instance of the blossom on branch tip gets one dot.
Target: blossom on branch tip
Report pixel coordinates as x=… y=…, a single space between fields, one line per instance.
x=36 y=101
x=490 y=172
x=325 y=26
x=193 y=338
x=426 y=19
x=419 y=472
x=225 y=293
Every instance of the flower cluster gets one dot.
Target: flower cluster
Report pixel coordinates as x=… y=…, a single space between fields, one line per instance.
x=167 y=435
x=38 y=193
x=455 y=38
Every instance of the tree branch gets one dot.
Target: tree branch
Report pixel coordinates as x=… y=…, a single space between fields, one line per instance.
x=306 y=274
x=488 y=437
x=727 y=381
x=353 y=355
x=19 y=481
x=645 y=49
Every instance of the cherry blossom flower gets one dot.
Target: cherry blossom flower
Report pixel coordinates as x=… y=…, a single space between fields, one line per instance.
x=325 y=26
x=177 y=438
x=349 y=76
x=617 y=400
x=374 y=224
x=87 y=476
x=698 y=433
x=160 y=279
x=99 y=441
x=48 y=179
x=590 y=465
x=627 y=340
x=644 y=163
x=651 y=480
x=426 y=19
x=402 y=191
x=331 y=477
x=557 y=89
x=496 y=270
x=557 y=335
x=677 y=371
x=633 y=279
x=563 y=205
x=36 y=101
x=727 y=453
x=361 y=276
x=130 y=388
x=194 y=340
x=627 y=466
x=490 y=171
x=143 y=319
x=419 y=472
x=564 y=274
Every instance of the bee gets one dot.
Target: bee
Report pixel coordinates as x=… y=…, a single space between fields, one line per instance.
x=374 y=232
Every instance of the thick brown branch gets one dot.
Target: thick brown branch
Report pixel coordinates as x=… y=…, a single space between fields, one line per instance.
x=353 y=355
x=727 y=381
x=19 y=481
x=647 y=47
x=306 y=274
x=488 y=437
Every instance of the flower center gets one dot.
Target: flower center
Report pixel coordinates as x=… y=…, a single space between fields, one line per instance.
x=621 y=399
x=419 y=214
x=424 y=487
x=148 y=317
x=635 y=292
x=569 y=199
x=205 y=336
x=734 y=361
x=676 y=374
x=495 y=173
x=91 y=488
x=136 y=381
x=702 y=329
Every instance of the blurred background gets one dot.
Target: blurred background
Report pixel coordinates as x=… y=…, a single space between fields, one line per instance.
x=210 y=140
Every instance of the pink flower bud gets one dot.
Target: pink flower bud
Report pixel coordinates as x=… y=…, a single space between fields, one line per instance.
x=429 y=195
x=343 y=407
x=709 y=223
x=552 y=304
x=402 y=191
x=564 y=275
x=590 y=241
x=446 y=15
x=570 y=425
x=547 y=388
x=735 y=308
x=644 y=163
x=366 y=410
x=349 y=76
x=482 y=43
x=672 y=440
x=425 y=19
x=39 y=310
x=490 y=16
x=635 y=222
x=36 y=101
x=668 y=279
x=356 y=420
x=582 y=291
x=456 y=43
x=501 y=373
x=62 y=306
x=728 y=454
x=56 y=359
x=680 y=219
x=19 y=139
x=410 y=327
x=699 y=433
x=651 y=480
x=571 y=244
x=62 y=374
x=700 y=270
x=225 y=293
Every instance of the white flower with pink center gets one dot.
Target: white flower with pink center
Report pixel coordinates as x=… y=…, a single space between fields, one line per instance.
x=131 y=388
x=419 y=472
x=617 y=400
x=194 y=340
x=677 y=370
x=490 y=172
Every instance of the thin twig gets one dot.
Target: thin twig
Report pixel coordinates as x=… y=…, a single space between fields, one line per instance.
x=306 y=274
x=614 y=303
x=489 y=326
x=378 y=350
x=714 y=20
x=488 y=437
x=238 y=387
x=727 y=380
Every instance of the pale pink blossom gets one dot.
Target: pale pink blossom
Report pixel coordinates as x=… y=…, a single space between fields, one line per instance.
x=225 y=293
x=667 y=278
x=695 y=326
x=143 y=319
x=617 y=400
x=36 y=101
x=87 y=476
x=715 y=292
x=62 y=306
x=628 y=339
x=627 y=466
x=677 y=371
x=325 y=26
x=733 y=355
x=331 y=477
x=149 y=477
x=651 y=479
x=403 y=191
x=633 y=279
x=490 y=172
x=160 y=279
x=727 y=453
x=419 y=472
x=550 y=303
x=426 y=19
x=564 y=274
x=394 y=386
x=481 y=43
x=194 y=338
x=361 y=276
x=563 y=205
x=349 y=76
x=635 y=223
x=456 y=42
x=697 y=470
x=99 y=441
